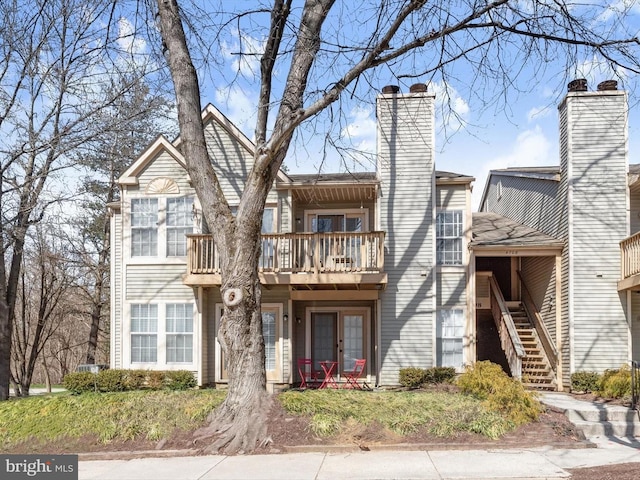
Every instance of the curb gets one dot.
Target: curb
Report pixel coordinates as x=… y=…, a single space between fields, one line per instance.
x=131 y=455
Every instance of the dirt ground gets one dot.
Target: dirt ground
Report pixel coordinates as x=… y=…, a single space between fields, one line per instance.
x=290 y=433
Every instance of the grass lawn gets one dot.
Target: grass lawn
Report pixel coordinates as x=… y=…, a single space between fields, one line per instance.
x=154 y=415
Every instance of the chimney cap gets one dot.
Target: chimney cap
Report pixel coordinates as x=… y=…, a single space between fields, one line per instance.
x=418 y=87
x=577 y=85
x=608 y=85
x=391 y=89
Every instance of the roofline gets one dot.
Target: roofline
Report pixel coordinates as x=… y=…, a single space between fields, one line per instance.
x=454 y=180
x=210 y=112
x=161 y=143
x=300 y=185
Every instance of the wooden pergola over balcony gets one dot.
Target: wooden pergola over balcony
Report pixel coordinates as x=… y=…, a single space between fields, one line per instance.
x=630 y=263
x=310 y=260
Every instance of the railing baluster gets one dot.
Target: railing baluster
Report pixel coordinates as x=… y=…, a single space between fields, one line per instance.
x=343 y=252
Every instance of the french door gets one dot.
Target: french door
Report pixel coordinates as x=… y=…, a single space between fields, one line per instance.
x=338 y=335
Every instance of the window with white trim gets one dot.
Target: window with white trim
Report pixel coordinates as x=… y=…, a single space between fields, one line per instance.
x=449 y=337
x=449 y=237
x=179 y=224
x=270 y=340
x=144 y=333
x=144 y=227
x=179 y=330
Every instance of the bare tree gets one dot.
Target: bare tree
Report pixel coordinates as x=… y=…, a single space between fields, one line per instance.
x=44 y=281
x=54 y=55
x=140 y=112
x=424 y=38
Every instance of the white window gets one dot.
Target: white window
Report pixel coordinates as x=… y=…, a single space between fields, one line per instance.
x=270 y=339
x=144 y=227
x=179 y=328
x=449 y=237
x=179 y=224
x=144 y=333
x=449 y=336
x=268 y=243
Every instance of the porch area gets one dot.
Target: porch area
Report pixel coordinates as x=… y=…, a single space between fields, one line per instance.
x=313 y=260
x=630 y=263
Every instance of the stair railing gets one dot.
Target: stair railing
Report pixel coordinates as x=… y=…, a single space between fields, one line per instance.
x=635 y=386
x=535 y=317
x=509 y=339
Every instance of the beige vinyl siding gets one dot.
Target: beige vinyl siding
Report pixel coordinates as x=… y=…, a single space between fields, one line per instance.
x=598 y=221
x=156 y=282
x=540 y=279
x=164 y=165
x=231 y=160
x=634 y=212
x=562 y=210
x=116 y=291
x=284 y=212
x=406 y=169
x=451 y=288
x=451 y=197
x=529 y=201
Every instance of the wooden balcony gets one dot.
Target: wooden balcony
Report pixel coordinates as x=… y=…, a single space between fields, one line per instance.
x=354 y=258
x=630 y=263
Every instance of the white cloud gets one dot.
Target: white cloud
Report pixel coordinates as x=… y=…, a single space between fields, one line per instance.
x=452 y=111
x=537 y=113
x=531 y=148
x=127 y=38
x=618 y=7
x=244 y=53
x=596 y=69
x=240 y=107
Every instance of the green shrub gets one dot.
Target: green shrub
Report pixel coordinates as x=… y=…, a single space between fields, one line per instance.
x=135 y=379
x=439 y=375
x=499 y=392
x=585 y=381
x=180 y=380
x=616 y=383
x=155 y=379
x=411 y=377
x=79 y=382
x=111 y=380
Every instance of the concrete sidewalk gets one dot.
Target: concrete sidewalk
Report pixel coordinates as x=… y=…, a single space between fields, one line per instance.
x=537 y=463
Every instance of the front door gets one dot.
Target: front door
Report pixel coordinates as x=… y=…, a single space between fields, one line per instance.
x=340 y=336
x=271 y=332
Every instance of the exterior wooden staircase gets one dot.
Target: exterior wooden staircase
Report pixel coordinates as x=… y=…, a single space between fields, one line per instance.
x=537 y=373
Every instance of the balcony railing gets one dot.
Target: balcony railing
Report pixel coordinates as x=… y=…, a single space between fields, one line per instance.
x=336 y=252
x=630 y=255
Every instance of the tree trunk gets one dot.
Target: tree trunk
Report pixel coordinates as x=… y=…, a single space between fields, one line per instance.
x=5 y=348
x=239 y=424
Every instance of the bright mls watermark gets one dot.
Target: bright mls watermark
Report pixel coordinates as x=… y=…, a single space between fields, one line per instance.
x=47 y=467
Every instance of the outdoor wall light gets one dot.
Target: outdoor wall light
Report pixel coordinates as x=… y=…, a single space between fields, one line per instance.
x=285 y=317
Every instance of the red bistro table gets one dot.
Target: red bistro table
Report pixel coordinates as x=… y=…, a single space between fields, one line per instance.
x=328 y=367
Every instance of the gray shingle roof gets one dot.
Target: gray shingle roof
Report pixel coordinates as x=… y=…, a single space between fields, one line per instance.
x=491 y=229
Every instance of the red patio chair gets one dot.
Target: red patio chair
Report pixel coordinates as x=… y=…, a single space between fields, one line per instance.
x=354 y=375
x=308 y=377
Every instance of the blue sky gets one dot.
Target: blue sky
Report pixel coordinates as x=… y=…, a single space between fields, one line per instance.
x=519 y=129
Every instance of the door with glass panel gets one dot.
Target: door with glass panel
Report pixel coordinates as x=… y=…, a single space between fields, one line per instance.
x=270 y=333
x=339 y=336
x=339 y=252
